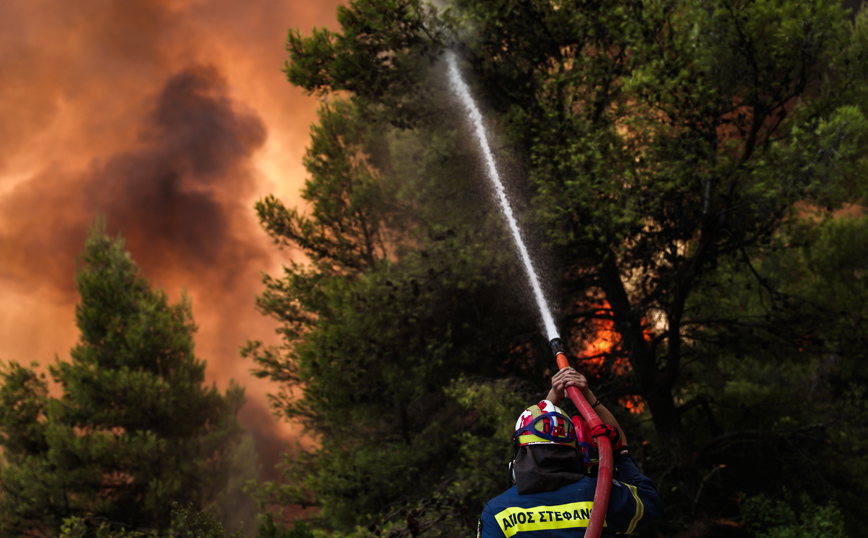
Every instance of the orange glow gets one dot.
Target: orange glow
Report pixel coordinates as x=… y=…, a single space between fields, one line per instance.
x=633 y=404
x=601 y=352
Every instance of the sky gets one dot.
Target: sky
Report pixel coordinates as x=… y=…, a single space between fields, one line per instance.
x=168 y=118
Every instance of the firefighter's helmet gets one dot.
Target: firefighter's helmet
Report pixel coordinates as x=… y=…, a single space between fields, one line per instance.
x=544 y=424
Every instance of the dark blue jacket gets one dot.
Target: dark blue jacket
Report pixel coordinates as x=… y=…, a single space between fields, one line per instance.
x=565 y=512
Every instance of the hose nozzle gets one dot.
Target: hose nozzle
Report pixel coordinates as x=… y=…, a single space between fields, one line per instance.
x=557 y=347
x=559 y=351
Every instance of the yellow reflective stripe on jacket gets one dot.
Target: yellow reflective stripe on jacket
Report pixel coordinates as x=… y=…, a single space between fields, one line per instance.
x=640 y=509
x=537 y=518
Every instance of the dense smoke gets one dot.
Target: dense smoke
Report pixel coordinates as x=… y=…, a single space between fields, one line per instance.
x=177 y=196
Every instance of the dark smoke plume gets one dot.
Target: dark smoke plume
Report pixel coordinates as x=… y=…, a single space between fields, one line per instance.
x=180 y=196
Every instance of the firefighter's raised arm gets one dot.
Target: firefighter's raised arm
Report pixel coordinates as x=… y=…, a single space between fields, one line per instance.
x=568 y=377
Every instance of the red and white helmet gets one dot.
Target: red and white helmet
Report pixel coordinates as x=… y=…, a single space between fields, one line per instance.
x=544 y=424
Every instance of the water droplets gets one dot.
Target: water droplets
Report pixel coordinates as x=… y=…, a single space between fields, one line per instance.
x=463 y=93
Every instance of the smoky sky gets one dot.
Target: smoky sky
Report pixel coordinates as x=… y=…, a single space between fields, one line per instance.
x=176 y=196
x=180 y=190
x=168 y=119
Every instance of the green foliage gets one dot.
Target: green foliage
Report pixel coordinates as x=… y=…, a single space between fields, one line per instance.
x=791 y=374
x=134 y=428
x=769 y=518
x=76 y=527
x=413 y=298
x=381 y=55
x=186 y=523
x=22 y=427
x=688 y=162
x=269 y=529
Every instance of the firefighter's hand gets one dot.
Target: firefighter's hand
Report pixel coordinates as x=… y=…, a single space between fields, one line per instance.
x=568 y=377
x=604 y=430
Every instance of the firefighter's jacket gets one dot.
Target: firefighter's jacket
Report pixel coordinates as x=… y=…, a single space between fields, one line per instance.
x=565 y=512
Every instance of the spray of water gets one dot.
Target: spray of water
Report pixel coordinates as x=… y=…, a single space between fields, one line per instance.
x=463 y=93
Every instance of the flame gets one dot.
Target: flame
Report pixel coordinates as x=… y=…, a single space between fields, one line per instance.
x=633 y=404
x=601 y=352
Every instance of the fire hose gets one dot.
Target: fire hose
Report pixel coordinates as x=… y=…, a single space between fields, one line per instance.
x=604 y=475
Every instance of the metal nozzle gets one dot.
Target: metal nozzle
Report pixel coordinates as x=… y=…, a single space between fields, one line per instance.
x=557 y=346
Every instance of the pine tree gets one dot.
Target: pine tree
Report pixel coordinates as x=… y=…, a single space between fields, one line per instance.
x=134 y=429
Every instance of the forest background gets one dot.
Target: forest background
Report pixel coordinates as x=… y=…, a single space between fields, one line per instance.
x=690 y=176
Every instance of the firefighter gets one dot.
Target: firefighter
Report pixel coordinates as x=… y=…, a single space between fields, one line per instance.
x=553 y=468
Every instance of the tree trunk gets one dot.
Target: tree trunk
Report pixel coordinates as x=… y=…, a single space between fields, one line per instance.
x=655 y=383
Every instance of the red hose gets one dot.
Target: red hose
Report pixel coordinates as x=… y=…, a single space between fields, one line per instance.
x=604 y=476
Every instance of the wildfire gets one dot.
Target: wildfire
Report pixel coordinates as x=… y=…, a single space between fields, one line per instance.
x=601 y=353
